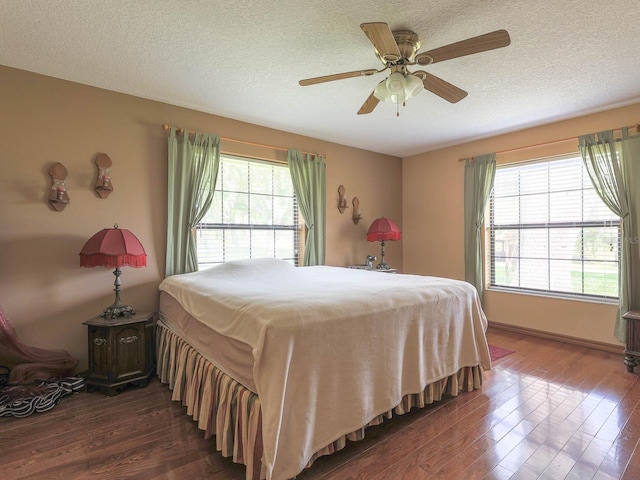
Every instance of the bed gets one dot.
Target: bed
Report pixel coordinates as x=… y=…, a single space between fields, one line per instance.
x=284 y=364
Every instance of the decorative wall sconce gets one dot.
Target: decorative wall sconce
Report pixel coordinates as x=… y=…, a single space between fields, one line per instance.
x=356 y=216
x=58 y=196
x=103 y=185
x=342 y=199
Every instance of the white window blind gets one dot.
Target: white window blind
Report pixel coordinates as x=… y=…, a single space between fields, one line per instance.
x=551 y=233
x=254 y=214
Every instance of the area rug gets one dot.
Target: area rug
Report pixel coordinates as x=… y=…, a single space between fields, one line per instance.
x=498 y=352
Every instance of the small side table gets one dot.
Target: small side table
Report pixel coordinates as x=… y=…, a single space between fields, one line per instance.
x=632 y=352
x=374 y=269
x=121 y=352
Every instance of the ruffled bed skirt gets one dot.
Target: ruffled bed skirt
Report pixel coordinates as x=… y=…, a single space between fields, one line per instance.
x=232 y=413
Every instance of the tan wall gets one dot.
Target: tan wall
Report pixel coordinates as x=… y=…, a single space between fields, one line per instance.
x=43 y=291
x=433 y=223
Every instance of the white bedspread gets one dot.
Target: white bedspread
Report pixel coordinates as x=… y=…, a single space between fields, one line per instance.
x=334 y=347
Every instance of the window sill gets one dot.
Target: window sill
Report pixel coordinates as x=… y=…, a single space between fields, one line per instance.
x=560 y=296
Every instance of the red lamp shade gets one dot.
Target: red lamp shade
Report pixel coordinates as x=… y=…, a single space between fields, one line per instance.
x=383 y=229
x=114 y=248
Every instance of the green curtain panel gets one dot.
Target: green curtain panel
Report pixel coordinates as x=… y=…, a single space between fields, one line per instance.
x=614 y=168
x=192 y=172
x=479 y=174
x=308 y=174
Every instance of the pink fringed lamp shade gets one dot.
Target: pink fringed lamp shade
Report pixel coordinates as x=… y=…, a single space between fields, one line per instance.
x=113 y=248
x=383 y=229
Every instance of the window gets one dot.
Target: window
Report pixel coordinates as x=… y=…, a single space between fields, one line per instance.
x=551 y=233
x=254 y=214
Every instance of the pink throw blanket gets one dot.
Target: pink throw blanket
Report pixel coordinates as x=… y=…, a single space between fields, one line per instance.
x=29 y=364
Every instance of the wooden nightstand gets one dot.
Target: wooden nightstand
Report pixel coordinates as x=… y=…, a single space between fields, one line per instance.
x=632 y=352
x=121 y=352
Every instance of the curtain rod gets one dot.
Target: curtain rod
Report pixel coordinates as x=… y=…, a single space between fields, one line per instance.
x=166 y=126
x=509 y=150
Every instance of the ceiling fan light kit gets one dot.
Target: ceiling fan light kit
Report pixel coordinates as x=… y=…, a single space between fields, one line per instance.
x=398 y=87
x=397 y=50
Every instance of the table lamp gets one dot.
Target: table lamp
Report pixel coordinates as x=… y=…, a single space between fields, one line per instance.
x=114 y=248
x=381 y=230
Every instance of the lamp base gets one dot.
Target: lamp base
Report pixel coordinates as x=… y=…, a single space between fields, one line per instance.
x=382 y=265
x=115 y=311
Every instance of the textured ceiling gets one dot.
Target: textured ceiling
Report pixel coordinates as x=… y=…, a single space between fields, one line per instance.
x=242 y=59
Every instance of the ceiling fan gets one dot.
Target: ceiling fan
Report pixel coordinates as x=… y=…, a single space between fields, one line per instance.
x=397 y=50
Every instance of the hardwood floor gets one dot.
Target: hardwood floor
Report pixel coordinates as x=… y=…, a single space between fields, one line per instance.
x=549 y=411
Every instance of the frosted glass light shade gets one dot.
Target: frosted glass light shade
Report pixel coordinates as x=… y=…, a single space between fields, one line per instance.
x=395 y=83
x=412 y=86
x=381 y=92
x=399 y=98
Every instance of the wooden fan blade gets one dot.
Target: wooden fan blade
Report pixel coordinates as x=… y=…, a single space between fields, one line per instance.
x=337 y=76
x=380 y=35
x=443 y=89
x=369 y=104
x=481 y=43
